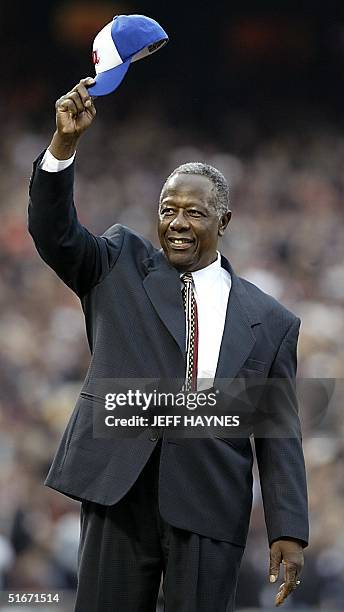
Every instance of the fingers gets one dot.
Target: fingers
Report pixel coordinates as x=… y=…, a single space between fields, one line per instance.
x=78 y=99
x=275 y=561
x=80 y=92
x=289 y=551
x=65 y=105
x=292 y=572
x=282 y=594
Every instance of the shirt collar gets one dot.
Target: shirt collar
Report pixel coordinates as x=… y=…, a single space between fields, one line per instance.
x=209 y=272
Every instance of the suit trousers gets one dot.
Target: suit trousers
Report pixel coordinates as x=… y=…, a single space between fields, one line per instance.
x=125 y=549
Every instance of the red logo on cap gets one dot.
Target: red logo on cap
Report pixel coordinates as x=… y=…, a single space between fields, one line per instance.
x=95 y=57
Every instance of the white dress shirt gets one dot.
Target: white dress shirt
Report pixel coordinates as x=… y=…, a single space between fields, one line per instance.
x=49 y=163
x=212 y=287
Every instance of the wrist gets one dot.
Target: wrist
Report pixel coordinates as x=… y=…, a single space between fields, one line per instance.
x=282 y=539
x=63 y=146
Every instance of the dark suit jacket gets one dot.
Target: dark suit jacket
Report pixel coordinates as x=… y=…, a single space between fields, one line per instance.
x=135 y=324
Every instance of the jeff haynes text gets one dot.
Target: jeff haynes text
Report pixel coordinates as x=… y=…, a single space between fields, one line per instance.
x=173 y=421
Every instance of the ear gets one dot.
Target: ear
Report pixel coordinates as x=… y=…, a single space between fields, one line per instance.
x=225 y=219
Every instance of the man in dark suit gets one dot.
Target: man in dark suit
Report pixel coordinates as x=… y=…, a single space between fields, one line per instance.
x=156 y=504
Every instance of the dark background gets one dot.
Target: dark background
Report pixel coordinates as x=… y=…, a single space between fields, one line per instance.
x=264 y=58
x=256 y=89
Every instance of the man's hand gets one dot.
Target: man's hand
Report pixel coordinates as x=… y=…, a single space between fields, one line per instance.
x=290 y=553
x=75 y=112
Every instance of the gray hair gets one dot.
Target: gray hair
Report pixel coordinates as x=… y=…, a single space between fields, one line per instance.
x=220 y=185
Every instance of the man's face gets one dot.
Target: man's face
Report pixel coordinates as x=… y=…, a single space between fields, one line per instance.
x=188 y=225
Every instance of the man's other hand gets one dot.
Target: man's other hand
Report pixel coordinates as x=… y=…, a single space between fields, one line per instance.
x=75 y=112
x=290 y=554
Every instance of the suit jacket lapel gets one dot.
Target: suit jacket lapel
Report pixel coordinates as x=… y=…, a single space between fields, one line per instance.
x=162 y=285
x=238 y=338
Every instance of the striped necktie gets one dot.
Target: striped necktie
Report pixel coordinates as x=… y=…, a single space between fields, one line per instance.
x=191 y=328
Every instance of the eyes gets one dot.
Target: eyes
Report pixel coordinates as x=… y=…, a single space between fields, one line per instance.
x=169 y=211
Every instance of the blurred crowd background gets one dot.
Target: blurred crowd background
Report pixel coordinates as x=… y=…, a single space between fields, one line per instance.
x=259 y=94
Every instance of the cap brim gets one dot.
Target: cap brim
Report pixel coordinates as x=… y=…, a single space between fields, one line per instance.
x=108 y=81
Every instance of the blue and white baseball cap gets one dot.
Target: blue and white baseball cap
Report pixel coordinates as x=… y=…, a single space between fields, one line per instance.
x=125 y=39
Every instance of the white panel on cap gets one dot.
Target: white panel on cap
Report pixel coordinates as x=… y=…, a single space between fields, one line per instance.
x=106 y=50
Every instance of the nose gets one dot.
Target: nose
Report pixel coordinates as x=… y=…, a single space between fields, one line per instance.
x=179 y=223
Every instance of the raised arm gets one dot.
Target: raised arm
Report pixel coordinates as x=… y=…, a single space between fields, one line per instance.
x=77 y=256
x=75 y=112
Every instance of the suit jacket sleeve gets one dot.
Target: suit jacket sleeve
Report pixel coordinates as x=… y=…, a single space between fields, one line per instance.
x=278 y=444
x=79 y=258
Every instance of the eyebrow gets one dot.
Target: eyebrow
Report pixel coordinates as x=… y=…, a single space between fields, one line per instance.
x=189 y=205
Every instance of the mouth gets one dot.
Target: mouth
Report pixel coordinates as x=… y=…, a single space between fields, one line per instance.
x=180 y=244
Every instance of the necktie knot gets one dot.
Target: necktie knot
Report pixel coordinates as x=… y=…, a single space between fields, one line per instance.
x=187 y=278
